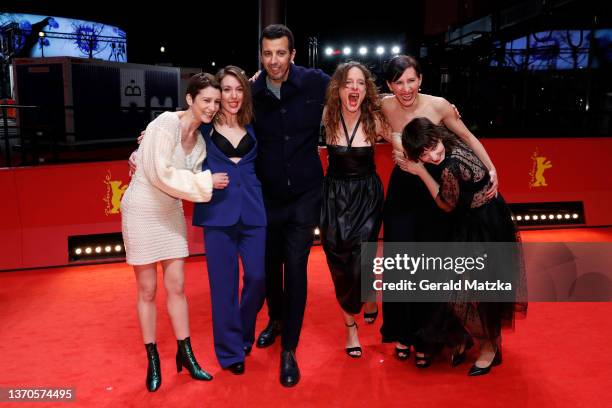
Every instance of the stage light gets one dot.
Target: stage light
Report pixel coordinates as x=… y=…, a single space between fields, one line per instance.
x=41 y=34
x=363 y=50
x=213 y=63
x=317 y=231
x=329 y=51
x=78 y=251
x=380 y=50
x=108 y=248
x=512 y=218
x=347 y=50
x=98 y=250
x=395 y=49
x=118 y=248
x=88 y=250
x=162 y=49
x=533 y=214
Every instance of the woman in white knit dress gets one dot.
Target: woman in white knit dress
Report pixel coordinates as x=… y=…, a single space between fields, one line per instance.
x=169 y=169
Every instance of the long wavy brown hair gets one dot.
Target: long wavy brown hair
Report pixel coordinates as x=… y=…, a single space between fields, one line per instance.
x=245 y=113
x=373 y=121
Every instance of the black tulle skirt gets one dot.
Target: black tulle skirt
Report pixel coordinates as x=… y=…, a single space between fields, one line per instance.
x=351 y=214
x=491 y=222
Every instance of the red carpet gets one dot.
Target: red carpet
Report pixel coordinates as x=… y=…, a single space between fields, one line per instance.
x=77 y=327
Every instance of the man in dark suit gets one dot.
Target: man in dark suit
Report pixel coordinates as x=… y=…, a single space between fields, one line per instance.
x=288 y=101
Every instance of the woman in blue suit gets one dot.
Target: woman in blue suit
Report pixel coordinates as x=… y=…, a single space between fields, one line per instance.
x=234 y=221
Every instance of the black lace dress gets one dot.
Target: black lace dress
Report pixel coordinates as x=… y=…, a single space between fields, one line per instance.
x=464 y=181
x=351 y=214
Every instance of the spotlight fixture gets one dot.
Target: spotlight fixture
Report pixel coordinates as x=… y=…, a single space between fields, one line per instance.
x=380 y=50
x=329 y=51
x=546 y=214
x=395 y=49
x=95 y=247
x=347 y=50
x=363 y=50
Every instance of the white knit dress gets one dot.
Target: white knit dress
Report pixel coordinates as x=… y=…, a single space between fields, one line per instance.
x=153 y=223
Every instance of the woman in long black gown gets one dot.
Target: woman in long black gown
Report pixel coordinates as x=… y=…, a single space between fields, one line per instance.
x=460 y=188
x=353 y=193
x=409 y=213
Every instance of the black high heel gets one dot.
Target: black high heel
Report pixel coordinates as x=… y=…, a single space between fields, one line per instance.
x=186 y=358
x=350 y=350
x=370 y=318
x=402 y=354
x=423 y=361
x=459 y=358
x=154 y=378
x=497 y=360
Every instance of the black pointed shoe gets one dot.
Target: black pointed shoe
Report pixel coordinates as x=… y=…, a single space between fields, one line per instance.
x=268 y=335
x=236 y=368
x=460 y=357
x=186 y=358
x=289 y=370
x=154 y=379
x=497 y=360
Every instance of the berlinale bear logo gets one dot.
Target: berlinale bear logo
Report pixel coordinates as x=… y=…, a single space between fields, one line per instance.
x=540 y=165
x=114 y=193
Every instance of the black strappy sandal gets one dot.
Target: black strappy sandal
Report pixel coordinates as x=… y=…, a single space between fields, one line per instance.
x=402 y=354
x=370 y=318
x=350 y=350
x=423 y=361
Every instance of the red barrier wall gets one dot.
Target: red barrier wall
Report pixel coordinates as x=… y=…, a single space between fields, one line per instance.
x=43 y=205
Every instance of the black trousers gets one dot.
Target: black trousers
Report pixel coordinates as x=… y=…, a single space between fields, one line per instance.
x=290 y=234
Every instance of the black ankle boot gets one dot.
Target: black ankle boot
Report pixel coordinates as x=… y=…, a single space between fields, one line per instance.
x=154 y=379
x=185 y=358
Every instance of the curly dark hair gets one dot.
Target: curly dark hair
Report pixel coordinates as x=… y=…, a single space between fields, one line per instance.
x=372 y=118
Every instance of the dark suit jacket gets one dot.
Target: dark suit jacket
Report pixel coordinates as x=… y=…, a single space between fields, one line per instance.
x=241 y=199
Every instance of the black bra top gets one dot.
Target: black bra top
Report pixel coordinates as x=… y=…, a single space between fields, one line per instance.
x=246 y=145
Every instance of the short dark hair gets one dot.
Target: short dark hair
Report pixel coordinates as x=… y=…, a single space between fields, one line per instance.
x=199 y=81
x=275 y=31
x=398 y=64
x=421 y=134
